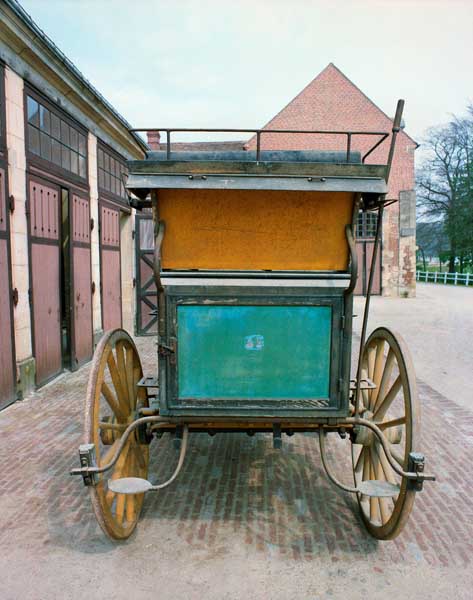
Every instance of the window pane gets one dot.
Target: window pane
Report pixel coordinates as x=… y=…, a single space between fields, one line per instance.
x=45 y=146
x=55 y=126
x=33 y=140
x=106 y=162
x=65 y=133
x=55 y=152
x=101 y=179
x=107 y=181
x=44 y=119
x=65 y=157
x=74 y=139
x=146 y=234
x=82 y=145
x=82 y=167
x=74 y=162
x=100 y=158
x=33 y=111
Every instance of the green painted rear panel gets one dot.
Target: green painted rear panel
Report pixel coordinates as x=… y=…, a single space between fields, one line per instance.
x=255 y=352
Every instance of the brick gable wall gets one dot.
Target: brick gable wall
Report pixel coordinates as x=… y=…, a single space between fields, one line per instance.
x=332 y=102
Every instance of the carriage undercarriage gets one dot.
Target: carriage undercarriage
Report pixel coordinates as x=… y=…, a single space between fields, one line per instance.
x=255 y=350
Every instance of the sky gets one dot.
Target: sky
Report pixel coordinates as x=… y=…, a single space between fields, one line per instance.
x=236 y=63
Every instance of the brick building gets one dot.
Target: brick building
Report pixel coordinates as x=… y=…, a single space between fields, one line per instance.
x=332 y=102
x=66 y=244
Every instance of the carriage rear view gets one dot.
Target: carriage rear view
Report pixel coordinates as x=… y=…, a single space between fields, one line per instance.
x=255 y=266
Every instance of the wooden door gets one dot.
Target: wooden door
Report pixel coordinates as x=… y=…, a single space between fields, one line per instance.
x=7 y=354
x=146 y=294
x=44 y=229
x=82 y=331
x=110 y=267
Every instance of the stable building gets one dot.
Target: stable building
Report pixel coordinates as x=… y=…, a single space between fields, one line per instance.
x=66 y=243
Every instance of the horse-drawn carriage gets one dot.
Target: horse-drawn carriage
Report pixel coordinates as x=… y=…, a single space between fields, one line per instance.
x=255 y=267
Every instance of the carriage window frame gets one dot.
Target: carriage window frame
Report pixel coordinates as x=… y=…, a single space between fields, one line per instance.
x=366 y=224
x=110 y=168
x=54 y=140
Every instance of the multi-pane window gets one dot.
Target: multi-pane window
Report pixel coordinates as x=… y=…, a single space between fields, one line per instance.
x=110 y=171
x=366 y=224
x=55 y=140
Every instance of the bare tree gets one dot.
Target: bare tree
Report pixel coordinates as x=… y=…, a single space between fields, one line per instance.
x=445 y=185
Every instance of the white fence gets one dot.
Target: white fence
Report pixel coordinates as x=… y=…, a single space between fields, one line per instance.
x=450 y=278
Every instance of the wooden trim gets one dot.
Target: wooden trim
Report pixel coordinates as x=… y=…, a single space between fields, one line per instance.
x=7 y=236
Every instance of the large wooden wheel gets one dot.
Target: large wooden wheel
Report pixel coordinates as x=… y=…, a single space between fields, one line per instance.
x=113 y=399
x=393 y=405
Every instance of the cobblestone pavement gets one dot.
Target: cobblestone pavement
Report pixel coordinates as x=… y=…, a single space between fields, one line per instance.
x=243 y=520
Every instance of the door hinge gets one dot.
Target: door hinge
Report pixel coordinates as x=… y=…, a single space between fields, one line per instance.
x=93 y=287
x=27 y=207
x=30 y=296
x=14 y=296
x=133 y=234
x=92 y=224
x=343 y=321
x=11 y=203
x=134 y=282
x=168 y=350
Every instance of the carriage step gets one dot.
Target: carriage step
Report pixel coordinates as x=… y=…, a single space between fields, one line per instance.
x=130 y=485
x=378 y=489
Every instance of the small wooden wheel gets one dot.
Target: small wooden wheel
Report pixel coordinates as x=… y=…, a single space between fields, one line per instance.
x=112 y=402
x=393 y=405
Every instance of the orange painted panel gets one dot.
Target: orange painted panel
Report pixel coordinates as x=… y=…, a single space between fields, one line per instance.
x=241 y=229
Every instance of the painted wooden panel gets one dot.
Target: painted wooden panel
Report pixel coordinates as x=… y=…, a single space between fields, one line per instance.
x=82 y=281
x=111 y=292
x=7 y=371
x=46 y=311
x=255 y=352
x=80 y=220
x=82 y=303
x=241 y=229
x=109 y=226
x=44 y=211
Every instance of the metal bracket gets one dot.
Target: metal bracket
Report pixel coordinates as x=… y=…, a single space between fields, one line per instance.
x=168 y=351
x=416 y=464
x=88 y=459
x=15 y=296
x=11 y=203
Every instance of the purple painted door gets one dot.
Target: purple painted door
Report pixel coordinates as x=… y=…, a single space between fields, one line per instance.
x=45 y=279
x=82 y=340
x=110 y=267
x=7 y=359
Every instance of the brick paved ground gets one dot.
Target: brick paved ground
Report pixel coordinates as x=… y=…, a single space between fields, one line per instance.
x=237 y=504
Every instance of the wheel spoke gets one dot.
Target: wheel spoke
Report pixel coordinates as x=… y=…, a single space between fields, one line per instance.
x=388 y=399
x=377 y=373
x=385 y=378
x=374 y=504
x=114 y=404
x=109 y=454
x=360 y=461
x=364 y=392
x=129 y=377
x=398 y=457
x=392 y=423
x=117 y=383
